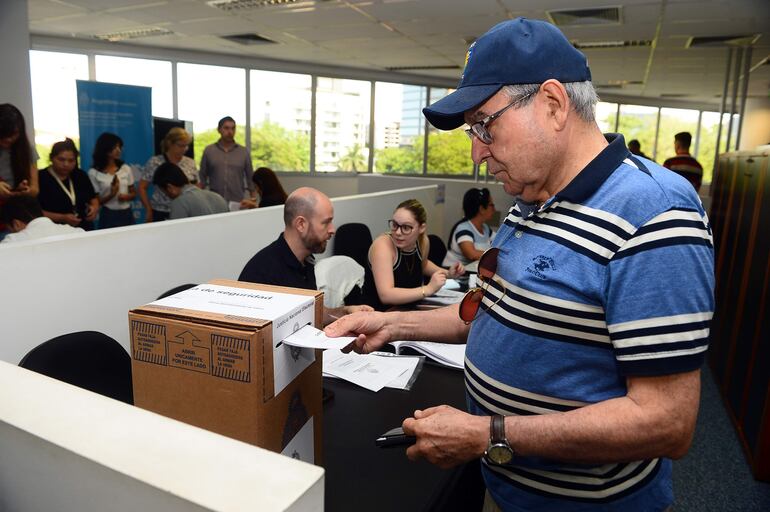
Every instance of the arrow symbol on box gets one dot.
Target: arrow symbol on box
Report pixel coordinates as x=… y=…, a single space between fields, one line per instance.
x=187 y=337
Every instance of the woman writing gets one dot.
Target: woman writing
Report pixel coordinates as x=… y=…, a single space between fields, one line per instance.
x=399 y=259
x=113 y=181
x=66 y=194
x=174 y=146
x=471 y=236
x=270 y=191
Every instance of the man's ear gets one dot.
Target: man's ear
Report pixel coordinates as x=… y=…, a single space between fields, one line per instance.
x=300 y=224
x=557 y=102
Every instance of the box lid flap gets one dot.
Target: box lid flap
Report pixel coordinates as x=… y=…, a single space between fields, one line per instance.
x=232 y=303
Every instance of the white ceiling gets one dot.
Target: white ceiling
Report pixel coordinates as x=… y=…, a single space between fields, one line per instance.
x=379 y=34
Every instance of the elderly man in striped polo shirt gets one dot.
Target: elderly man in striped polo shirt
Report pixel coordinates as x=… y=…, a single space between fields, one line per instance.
x=582 y=364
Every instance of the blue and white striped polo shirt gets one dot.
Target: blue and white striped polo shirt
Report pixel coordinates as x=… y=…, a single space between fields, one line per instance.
x=612 y=277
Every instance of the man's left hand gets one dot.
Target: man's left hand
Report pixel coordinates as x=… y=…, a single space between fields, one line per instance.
x=447 y=436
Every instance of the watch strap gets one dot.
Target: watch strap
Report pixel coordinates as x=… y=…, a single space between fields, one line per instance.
x=497 y=429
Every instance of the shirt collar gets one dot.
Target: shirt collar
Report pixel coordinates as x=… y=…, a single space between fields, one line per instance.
x=219 y=145
x=597 y=171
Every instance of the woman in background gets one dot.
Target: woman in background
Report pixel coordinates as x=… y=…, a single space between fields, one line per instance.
x=18 y=159
x=471 y=236
x=113 y=181
x=270 y=191
x=399 y=259
x=66 y=194
x=174 y=146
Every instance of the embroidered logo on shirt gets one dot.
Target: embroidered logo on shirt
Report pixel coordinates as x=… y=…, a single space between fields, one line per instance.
x=540 y=265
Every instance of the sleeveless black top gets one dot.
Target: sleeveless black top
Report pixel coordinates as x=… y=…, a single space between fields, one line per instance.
x=407 y=273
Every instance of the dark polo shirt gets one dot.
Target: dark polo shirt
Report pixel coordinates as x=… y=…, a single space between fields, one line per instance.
x=277 y=265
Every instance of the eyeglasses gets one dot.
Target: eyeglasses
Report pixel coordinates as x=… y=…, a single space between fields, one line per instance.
x=469 y=306
x=395 y=226
x=479 y=129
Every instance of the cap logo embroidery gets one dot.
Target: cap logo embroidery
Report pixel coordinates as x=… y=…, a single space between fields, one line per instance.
x=467 y=58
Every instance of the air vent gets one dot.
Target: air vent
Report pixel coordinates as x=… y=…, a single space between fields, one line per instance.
x=133 y=34
x=722 y=41
x=592 y=45
x=578 y=17
x=242 y=5
x=417 y=68
x=249 y=39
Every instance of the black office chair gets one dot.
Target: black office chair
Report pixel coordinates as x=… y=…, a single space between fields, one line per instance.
x=353 y=240
x=437 y=250
x=87 y=359
x=175 y=290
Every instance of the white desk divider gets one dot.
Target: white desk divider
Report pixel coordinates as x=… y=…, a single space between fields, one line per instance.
x=89 y=281
x=66 y=449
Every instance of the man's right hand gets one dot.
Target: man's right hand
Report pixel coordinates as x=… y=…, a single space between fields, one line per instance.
x=371 y=328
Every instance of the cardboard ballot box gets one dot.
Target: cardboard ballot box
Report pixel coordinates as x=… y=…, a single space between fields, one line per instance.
x=212 y=356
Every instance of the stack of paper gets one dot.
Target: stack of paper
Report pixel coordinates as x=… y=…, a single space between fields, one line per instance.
x=444 y=297
x=447 y=354
x=370 y=371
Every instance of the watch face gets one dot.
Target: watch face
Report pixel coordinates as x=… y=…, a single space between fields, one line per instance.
x=500 y=453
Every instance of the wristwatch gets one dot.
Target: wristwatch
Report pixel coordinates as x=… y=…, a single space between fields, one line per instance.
x=498 y=449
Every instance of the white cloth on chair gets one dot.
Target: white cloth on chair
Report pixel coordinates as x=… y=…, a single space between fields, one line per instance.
x=336 y=276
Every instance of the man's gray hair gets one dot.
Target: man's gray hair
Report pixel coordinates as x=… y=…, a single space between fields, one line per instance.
x=582 y=96
x=299 y=205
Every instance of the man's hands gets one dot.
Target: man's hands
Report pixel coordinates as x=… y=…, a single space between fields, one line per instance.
x=372 y=330
x=447 y=436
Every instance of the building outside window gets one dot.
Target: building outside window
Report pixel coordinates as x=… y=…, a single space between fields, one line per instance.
x=280 y=120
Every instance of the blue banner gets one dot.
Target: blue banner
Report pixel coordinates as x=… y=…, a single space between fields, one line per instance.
x=125 y=110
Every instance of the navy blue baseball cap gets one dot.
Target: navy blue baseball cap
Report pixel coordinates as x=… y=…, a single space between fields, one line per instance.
x=518 y=51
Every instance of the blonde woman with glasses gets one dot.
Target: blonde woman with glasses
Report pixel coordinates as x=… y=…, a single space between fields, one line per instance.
x=399 y=260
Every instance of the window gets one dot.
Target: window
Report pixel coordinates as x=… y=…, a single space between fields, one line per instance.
x=148 y=73
x=398 y=128
x=639 y=122
x=205 y=95
x=673 y=121
x=707 y=145
x=280 y=120
x=54 y=98
x=606 y=116
x=448 y=152
x=342 y=110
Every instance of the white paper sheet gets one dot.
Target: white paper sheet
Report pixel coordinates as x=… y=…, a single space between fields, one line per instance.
x=310 y=337
x=368 y=371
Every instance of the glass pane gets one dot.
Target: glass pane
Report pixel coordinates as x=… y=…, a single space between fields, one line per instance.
x=707 y=145
x=638 y=122
x=448 y=152
x=54 y=98
x=206 y=94
x=733 y=133
x=673 y=121
x=280 y=120
x=605 y=116
x=149 y=73
x=342 y=125
x=398 y=128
